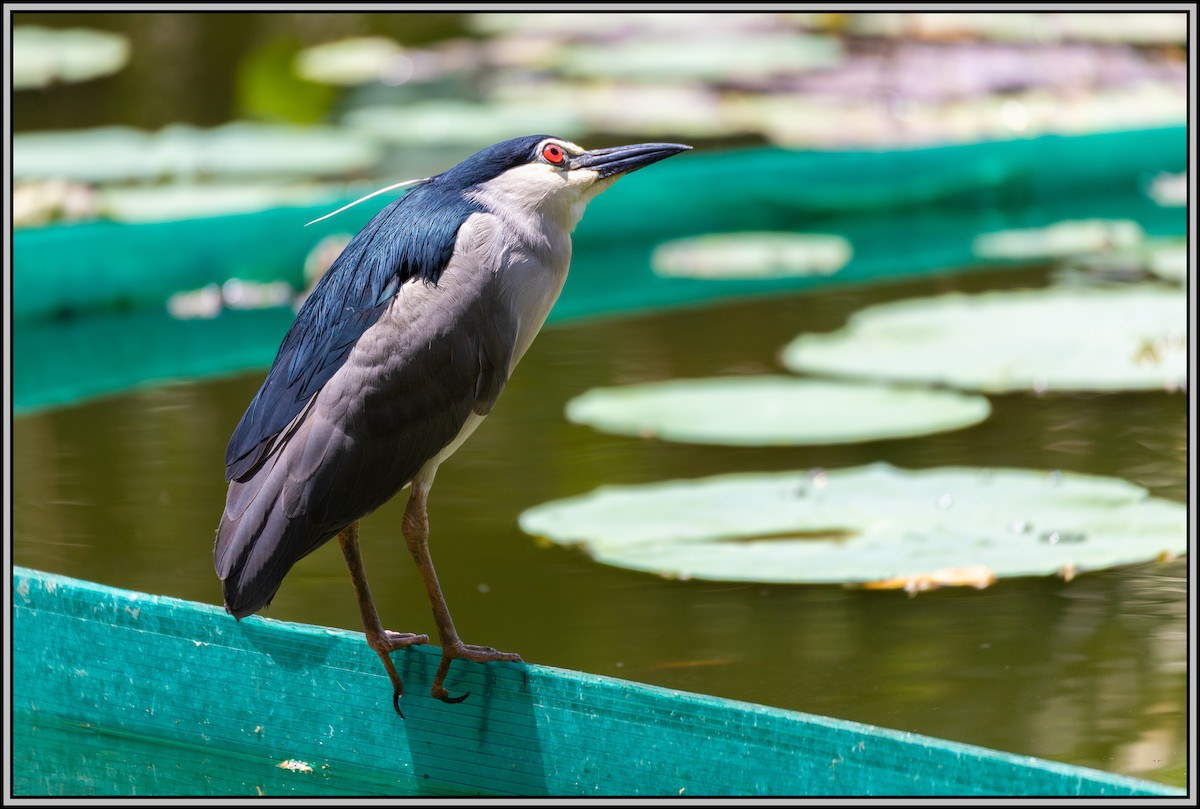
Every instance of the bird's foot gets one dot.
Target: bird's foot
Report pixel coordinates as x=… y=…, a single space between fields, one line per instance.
x=383 y=644
x=465 y=651
x=390 y=641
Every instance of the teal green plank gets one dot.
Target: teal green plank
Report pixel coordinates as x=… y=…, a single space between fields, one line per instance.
x=102 y=762
x=120 y=693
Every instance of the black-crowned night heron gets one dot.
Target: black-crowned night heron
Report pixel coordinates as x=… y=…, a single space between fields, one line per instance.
x=394 y=360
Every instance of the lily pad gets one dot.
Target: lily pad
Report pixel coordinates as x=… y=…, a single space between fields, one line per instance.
x=456 y=122
x=614 y=24
x=43 y=56
x=752 y=255
x=773 y=410
x=1070 y=338
x=239 y=149
x=1060 y=239
x=636 y=110
x=872 y=525
x=729 y=57
x=37 y=203
x=1163 y=258
x=1169 y=190
x=1169 y=260
x=1140 y=27
x=354 y=61
x=175 y=201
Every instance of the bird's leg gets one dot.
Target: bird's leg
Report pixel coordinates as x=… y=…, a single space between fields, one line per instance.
x=383 y=641
x=416 y=534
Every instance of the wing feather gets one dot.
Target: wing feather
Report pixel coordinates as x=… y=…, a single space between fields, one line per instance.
x=412 y=238
x=402 y=394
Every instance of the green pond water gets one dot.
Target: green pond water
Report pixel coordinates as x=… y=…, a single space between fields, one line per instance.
x=126 y=489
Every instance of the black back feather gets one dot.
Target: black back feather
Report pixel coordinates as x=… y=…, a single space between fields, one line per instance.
x=412 y=237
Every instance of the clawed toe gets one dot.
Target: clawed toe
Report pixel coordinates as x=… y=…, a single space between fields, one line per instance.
x=482 y=654
x=391 y=641
x=383 y=643
x=463 y=651
x=444 y=695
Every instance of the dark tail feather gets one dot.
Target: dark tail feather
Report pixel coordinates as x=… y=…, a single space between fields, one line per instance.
x=247 y=559
x=280 y=512
x=257 y=543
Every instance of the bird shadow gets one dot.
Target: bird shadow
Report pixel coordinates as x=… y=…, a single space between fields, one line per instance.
x=331 y=681
x=489 y=743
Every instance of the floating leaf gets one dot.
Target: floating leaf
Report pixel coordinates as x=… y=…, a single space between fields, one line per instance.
x=773 y=410
x=977 y=576
x=639 y=110
x=1137 y=27
x=210 y=300
x=871 y=524
x=752 y=255
x=1169 y=190
x=1060 y=239
x=1129 y=27
x=614 y=24
x=239 y=149
x=43 y=56
x=1165 y=258
x=807 y=119
x=355 y=60
x=1129 y=337
x=1169 y=260
x=730 y=57
x=175 y=201
x=458 y=122
x=43 y=201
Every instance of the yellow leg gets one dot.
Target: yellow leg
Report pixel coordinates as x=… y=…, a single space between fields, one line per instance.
x=416 y=534
x=383 y=641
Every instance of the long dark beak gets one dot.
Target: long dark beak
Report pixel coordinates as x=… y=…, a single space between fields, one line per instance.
x=624 y=159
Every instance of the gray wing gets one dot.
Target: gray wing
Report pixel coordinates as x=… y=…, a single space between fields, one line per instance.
x=414 y=237
x=438 y=354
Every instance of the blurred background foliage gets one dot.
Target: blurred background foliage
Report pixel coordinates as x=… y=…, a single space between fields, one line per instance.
x=417 y=90
x=174 y=55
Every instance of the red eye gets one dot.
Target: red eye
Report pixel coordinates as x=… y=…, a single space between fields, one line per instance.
x=553 y=153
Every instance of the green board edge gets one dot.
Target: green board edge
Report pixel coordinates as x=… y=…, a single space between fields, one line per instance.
x=295 y=706
x=71 y=268
x=109 y=349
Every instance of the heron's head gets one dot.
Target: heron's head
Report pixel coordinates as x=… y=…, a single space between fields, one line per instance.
x=548 y=177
